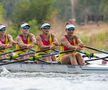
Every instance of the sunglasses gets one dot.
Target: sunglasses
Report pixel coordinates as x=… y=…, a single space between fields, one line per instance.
x=3 y=29
x=71 y=29
x=26 y=28
x=46 y=28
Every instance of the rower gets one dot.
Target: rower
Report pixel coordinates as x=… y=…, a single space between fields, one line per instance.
x=47 y=40
x=71 y=42
x=6 y=40
x=25 y=39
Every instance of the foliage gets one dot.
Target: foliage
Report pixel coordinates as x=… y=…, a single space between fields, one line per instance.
x=100 y=40
x=34 y=26
x=27 y=10
x=64 y=9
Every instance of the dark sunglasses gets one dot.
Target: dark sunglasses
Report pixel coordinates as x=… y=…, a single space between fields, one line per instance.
x=3 y=29
x=26 y=28
x=71 y=29
x=46 y=28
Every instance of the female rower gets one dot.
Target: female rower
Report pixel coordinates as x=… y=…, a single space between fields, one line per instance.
x=47 y=40
x=26 y=39
x=6 y=40
x=71 y=42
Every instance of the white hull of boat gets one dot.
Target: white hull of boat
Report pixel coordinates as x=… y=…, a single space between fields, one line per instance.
x=23 y=67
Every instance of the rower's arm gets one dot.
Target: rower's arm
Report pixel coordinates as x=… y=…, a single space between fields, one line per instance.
x=55 y=41
x=11 y=41
x=80 y=43
x=33 y=38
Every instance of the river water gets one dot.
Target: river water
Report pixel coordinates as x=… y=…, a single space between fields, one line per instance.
x=52 y=81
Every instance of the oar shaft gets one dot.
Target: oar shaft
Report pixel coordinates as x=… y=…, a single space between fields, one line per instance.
x=98 y=59
x=96 y=49
x=12 y=51
x=13 y=62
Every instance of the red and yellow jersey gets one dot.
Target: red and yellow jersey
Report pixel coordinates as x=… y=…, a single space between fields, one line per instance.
x=72 y=42
x=46 y=42
x=43 y=41
x=24 y=41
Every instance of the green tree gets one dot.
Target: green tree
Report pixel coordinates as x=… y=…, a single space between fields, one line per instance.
x=64 y=9
x=27 y=10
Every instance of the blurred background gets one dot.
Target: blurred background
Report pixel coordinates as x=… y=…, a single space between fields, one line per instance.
x=89 y=16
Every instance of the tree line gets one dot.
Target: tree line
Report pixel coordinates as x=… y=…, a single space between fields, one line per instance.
x=41 y=10
x=37 y=11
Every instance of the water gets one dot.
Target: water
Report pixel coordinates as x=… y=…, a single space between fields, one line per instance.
x=52 y=81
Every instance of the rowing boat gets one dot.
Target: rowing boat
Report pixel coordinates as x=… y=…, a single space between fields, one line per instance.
x=32 y=67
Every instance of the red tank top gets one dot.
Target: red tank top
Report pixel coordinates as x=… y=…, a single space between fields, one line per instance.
x=25 y=41
x=72 y=43
x=44 y=41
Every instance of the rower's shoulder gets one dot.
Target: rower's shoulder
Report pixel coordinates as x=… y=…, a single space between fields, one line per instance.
x=9 y=35
x=38 y=37
x=63 y=38
x=52 y=35
x=75 y=36
x=31 y=34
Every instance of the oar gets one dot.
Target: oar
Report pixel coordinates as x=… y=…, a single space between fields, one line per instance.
x=33 y=50
x=12 y=51
x=19 y=55
x=33 y=58
x=98 y=59
x=92 y=48
x=13 y=57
